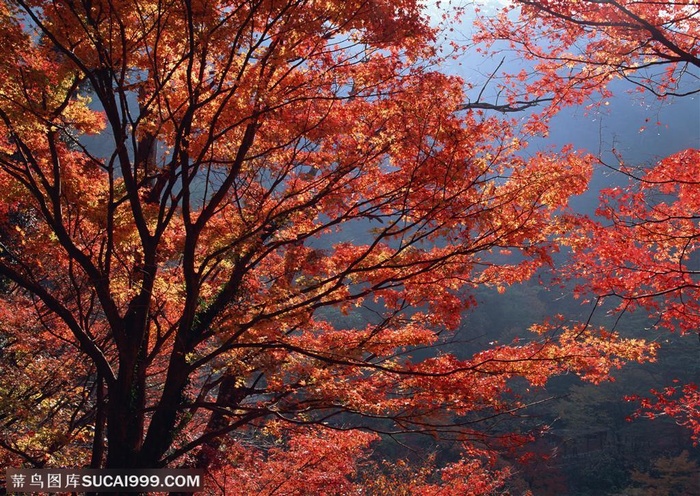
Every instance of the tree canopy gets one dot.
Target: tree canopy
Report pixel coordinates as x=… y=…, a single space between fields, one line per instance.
x=642 y=248
x=198 y=195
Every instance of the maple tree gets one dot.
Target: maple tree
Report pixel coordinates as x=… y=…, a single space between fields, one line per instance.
x=578 y=48
x=168 y=288
x=648 y=259
x=642 y=247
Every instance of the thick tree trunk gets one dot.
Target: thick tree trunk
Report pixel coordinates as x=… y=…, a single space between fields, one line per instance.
x=162 y=426
x=98 y=443
x=127 y=398
x=125 y=423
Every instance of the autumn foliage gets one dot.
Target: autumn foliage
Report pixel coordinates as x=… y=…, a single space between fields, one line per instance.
x=578 y=47
x=197 y=198
x=641 y=251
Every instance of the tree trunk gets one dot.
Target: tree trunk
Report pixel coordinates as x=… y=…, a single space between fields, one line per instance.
x=125 y=423
x=98 y=443
x=161 y=428
x=127 y=398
